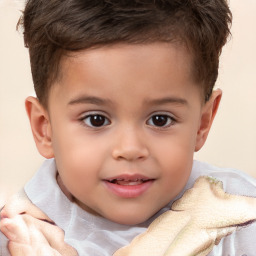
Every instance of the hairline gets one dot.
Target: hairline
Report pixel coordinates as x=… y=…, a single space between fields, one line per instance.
x=57 y=76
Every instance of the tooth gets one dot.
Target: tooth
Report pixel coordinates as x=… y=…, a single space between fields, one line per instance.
x=135 y=183
x=128 y=183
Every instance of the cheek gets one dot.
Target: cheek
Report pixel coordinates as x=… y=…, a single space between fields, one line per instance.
x=176 y=149
x=79 y=160
x=76 y=149
x=177 y=164
x=175 y=157
x=79 y=173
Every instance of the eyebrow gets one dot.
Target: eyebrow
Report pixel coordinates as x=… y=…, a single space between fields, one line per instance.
x=89 y=100
x=99 y=101
x=167 y=100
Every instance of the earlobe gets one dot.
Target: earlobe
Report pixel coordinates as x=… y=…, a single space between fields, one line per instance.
x=40 y=125
x=208 y=113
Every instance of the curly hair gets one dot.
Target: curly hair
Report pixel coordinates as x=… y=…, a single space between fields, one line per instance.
x=52 y=28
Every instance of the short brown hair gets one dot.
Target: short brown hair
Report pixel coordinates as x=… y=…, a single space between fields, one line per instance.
x=52 y=28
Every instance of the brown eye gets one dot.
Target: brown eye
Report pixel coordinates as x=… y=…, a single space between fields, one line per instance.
x=160 y=121
x=96 y=121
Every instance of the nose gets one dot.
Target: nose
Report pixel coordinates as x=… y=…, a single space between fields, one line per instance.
x=130 y=145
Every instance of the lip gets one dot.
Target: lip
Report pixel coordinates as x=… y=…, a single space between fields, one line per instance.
x=129 y=191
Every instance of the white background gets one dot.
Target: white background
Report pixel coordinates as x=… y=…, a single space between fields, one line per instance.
x=232 y=140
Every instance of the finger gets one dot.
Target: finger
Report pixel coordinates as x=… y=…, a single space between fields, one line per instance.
x=19 y=204
x=55 y=237
x=15 y=229
x=39 y=243
x=25 y=229
x=43 y=232
x=26 y=238
x=17 y=249
x=15 y=205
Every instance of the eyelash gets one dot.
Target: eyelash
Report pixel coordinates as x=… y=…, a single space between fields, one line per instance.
x=169 y=121
x=103 y=122
x=164 y=119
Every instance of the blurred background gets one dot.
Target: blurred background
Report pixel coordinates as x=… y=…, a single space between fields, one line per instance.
x=231 y=142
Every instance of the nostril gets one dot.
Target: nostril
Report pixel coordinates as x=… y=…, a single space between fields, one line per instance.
x=130 y=145
x=131 y=154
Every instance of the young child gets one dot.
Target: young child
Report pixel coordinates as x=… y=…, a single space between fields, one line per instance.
x=124 y=99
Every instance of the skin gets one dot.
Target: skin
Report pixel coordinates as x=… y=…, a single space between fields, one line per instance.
x=128 y=86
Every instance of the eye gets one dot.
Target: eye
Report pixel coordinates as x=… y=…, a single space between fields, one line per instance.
x=161 y=120
x=96 y=120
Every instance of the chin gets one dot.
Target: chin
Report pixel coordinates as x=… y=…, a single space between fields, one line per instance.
x=129 y=218
x=128 y=222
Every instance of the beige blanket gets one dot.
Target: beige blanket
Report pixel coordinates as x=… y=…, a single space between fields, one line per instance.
x=195 y=223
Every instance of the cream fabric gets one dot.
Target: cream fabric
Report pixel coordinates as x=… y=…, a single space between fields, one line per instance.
x=195 y=223
x=96 y=236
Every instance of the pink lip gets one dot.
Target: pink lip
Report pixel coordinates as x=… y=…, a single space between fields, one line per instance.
x=129 y=177
x=129 y=191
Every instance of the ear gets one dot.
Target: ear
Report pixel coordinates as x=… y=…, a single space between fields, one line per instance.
x=209 y=111
x=40 y=125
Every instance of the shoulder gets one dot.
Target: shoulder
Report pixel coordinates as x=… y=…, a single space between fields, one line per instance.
x=43 y=183
x=45 y=193
x=234 y=181
x=244 y=240
x=240 y=243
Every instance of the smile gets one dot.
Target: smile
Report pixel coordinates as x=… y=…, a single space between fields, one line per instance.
x=128 y=182
x=128 y=187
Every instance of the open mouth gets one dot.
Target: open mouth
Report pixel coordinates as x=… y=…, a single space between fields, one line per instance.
x=129 y=186
x=128 y=182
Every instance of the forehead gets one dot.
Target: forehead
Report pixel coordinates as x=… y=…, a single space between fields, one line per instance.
x=163 y=54
x=119 y=64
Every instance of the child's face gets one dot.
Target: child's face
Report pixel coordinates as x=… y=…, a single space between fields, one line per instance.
x=124 y=122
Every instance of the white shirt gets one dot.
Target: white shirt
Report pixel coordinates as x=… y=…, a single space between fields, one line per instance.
x=95 y=236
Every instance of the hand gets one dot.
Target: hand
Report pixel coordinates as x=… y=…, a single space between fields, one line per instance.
x=196 y=222
x=20 y=204
x=30 y=231
x=32 y=237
